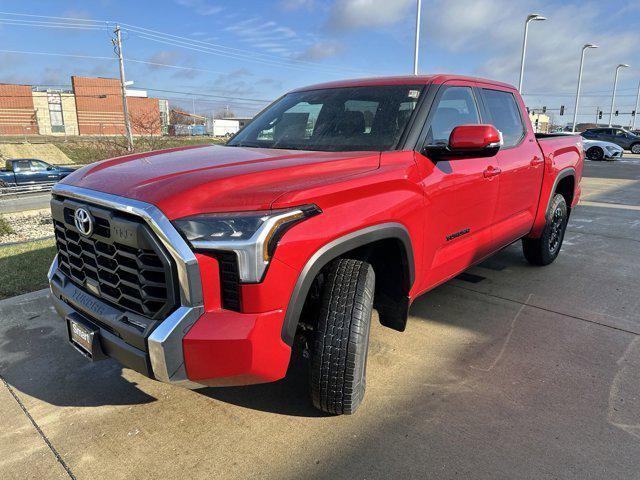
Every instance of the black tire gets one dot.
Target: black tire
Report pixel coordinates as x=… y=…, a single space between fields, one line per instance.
x=339 y=358
x=595 y=154
x=635 y=148
x=3 y=184
x=544 y=250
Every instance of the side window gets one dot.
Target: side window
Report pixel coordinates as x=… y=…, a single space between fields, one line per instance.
x=457 y=106
x=22 y=166
x=37 y=166
x=504 y=114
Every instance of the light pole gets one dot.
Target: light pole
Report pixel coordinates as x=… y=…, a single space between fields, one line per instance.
x=575 y=112
x=530 y=17
x=615 y=86
x=633 y=124
x=417 y=45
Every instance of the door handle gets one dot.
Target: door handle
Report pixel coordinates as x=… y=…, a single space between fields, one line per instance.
x=491 y=172
x=536 y=161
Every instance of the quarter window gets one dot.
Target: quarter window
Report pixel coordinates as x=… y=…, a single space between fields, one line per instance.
x=504 y=114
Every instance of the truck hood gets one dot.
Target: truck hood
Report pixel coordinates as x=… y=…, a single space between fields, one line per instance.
x=217 y=178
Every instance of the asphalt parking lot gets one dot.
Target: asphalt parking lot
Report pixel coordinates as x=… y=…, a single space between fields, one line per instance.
x=512 y=372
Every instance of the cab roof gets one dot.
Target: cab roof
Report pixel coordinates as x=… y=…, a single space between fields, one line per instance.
x=403 y=80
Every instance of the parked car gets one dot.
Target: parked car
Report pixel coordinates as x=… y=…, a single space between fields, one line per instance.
x=29 y=171
x=201 y=266
x=599 y=150
x=619 y=136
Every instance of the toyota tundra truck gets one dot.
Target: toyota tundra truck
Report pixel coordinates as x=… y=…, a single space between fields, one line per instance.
x=203 y=266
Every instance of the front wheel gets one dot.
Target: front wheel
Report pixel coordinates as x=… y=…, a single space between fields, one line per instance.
x=595 y=153
x=339 y=358
x=635 y=148
x=544 y=250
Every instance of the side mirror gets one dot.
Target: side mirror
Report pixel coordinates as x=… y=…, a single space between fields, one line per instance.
x=468 y=141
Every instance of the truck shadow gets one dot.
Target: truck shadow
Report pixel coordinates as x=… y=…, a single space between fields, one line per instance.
x=35 y=360
x=289 y=396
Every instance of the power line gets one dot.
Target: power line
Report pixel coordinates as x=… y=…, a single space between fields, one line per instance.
x=94 y=57
x=170 y=39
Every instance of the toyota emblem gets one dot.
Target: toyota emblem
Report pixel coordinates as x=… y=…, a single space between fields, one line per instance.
x=84 y=222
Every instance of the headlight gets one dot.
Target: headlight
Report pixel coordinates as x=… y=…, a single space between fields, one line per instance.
x=253 y=236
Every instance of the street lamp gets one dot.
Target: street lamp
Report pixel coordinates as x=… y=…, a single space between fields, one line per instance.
x=417 y=45
x=615 y=86
x=575 y=112
x=633 y=124
x=530 y=17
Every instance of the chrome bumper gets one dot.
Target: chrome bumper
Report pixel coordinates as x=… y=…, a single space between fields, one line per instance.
x=165 y=342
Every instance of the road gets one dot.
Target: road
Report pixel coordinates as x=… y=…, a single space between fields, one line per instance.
x=24 y=203
x=515 y=372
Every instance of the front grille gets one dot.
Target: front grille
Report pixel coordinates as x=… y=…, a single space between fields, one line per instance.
x=121 y=262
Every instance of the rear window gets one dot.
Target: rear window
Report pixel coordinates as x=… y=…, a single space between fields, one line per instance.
x=504 y=114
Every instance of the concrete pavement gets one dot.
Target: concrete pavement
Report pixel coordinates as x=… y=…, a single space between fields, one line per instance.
x=516 y=372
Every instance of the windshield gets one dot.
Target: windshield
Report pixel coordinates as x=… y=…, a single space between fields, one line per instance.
x=336 y=119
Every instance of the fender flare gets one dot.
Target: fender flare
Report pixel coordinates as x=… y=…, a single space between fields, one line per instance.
x=567 y=172
x=333 y=250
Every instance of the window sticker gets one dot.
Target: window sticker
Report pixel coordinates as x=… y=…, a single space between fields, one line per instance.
x=414 y=93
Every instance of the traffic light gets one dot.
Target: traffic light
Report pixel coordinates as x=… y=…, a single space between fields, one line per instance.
x=616 y=113
x=600 y=115
x=544 y=109
x=561 y=110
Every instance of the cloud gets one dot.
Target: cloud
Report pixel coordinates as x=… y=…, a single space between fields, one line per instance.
x=267 y=35
x=321 y=50
x=201 y=7
x=349 y=14
x=77 y=14
x=469 y=28
x=164 y=57
x=290 y=5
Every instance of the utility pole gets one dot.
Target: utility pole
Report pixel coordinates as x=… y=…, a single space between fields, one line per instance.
x=417 y=45
x=127 y=123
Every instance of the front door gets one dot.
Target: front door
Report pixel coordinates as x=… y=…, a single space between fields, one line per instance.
x=521 y=164
x=460 y=194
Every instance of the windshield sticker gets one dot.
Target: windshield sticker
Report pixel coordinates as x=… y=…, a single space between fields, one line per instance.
x=414 y=93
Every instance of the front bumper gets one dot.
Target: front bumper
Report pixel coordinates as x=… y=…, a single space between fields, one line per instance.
x=195 y=345
x=221 y=348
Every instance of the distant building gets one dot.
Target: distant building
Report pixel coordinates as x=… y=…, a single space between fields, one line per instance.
x=92 y=107
x=540 y=122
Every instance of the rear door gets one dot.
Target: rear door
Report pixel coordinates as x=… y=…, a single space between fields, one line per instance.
x=521 y=166
x=22 y=171
x=460 y=194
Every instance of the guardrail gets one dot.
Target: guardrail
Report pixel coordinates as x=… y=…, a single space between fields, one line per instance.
x=16 y=190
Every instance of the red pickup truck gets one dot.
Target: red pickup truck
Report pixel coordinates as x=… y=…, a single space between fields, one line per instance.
x=201 y=266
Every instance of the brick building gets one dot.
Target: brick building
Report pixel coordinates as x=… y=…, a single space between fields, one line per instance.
x=17 y=113
x=92 y=107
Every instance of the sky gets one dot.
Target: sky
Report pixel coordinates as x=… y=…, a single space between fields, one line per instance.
x=241 y=54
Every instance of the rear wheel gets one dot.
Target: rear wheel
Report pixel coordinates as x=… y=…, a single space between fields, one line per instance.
x=544 y=250
x=595 y=153
x=635 y=148
x=339 y=358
